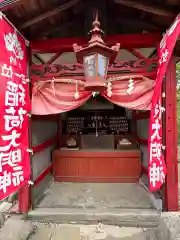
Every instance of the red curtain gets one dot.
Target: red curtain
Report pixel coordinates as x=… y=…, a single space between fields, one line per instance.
x=57 y=97
x=14 y=109
x=156 y=165
x=132 y=94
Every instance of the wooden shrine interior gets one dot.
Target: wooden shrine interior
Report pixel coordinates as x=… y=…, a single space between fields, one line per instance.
x=53 y=26
x=97 y=133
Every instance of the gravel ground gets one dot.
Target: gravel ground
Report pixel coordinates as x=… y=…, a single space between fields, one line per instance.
x=170 y=226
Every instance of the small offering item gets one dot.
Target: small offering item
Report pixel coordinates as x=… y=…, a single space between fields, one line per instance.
x=71 y=143
x=124 y=143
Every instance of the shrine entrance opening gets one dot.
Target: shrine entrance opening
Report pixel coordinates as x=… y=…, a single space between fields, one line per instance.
x=102 y=148
x=87 y=156
x=58 y=80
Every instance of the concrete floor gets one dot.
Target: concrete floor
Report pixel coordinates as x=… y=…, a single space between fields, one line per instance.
x=22 y=230
x=95 y=196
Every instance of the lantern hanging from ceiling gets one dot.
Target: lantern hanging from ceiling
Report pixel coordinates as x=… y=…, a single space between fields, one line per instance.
x=95 y=58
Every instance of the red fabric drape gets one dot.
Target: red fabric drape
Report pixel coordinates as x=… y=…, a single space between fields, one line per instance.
x=60 y=97
x=137 y=95
x=156 y=164
x=14 y=106
x=56 y=98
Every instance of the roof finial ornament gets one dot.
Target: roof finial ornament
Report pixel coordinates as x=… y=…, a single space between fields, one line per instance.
x=96 y=21
x=96 y=33
x=96 y=45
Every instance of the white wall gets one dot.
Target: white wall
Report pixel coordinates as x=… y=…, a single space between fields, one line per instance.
x=42 y=131
x=142 y=132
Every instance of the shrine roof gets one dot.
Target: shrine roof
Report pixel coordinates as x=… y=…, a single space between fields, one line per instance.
x=42 y=19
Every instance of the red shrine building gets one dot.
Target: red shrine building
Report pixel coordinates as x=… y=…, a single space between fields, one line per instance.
x=85 y=102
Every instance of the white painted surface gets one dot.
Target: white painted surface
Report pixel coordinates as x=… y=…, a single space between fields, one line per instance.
x=42 y=131
x=41 y=161
x=142 y=132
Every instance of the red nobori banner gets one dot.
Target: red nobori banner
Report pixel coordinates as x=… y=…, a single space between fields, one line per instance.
x=156 y=165
x=14 y=109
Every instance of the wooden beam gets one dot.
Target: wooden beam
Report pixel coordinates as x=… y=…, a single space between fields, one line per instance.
x=171 y=186
x=136 y=53
x=42 y=175
x=39 y=58
x=9 y=4
x=141 y=115
x=173 y=2
x=147 y=8
x=51 y=117
x=144 y=170
x=153 y=53
x=50 y=61
x=49 y=14
x=137 y=67
x=42 y=146
x=142 y=140
x=44 y=32
x=137 y=23
x=126 y=41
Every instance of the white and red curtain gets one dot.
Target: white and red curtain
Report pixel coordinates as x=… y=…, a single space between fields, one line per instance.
x=56 y=97
x=53 y=98
x=132 y=93
x=14 y=110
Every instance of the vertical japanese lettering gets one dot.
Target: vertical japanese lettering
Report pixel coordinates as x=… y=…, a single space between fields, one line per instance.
x=14 y=108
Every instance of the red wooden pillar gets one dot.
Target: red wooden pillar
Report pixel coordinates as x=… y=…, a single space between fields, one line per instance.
x=24 y=195
x=171 y=186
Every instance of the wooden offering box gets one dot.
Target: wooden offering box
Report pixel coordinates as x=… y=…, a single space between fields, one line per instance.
x=121 y=166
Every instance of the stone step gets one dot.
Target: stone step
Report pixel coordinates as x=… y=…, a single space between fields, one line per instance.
x=121 y=217
x=14 y=229
x=89 y=232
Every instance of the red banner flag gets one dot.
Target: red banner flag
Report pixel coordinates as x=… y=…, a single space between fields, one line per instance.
x=156 y=163
x=14 y=109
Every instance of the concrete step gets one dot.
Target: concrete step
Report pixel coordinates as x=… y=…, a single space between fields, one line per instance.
x=91 y=232
x=121 y=217
x=14 y=229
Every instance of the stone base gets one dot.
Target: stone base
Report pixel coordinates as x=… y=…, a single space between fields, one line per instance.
x=120 y=217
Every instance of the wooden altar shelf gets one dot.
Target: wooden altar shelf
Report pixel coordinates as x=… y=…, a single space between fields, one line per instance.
x=97 y=166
